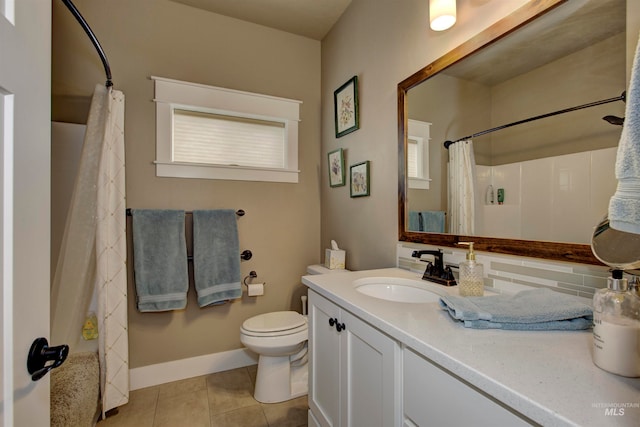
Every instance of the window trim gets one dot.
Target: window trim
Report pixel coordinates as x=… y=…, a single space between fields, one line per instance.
x=174 y=94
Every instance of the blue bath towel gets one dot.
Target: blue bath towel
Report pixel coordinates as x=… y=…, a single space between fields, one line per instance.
x=160 y=259
x=429 y=221
x=433 y=221
x=216 y=256
x=536 y=309
x=624 y=206
x=416 y=222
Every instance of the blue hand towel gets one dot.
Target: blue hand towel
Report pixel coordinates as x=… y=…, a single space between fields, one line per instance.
x=536 y=309
x=216 y=256
x=624 y=206
x=433 y=221
x=160 y=259
x=415 y=221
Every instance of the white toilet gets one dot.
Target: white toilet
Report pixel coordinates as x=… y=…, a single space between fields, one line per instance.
x=280 y=340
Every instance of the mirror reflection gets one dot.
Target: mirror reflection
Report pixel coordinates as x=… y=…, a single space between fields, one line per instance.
x=548 y=179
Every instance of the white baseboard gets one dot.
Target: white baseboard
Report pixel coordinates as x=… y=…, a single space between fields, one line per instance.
x=161 y=373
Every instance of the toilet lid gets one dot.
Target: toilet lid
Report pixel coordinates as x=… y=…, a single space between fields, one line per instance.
x=273 y=322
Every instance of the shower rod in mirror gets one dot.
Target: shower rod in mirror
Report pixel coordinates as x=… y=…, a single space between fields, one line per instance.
x=611 y=119
x=94 y=40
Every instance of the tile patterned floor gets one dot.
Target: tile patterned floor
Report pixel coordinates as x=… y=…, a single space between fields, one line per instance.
x=223 y=399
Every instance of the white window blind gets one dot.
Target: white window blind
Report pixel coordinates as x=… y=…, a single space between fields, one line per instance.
x=216 y=139
x=412 y=158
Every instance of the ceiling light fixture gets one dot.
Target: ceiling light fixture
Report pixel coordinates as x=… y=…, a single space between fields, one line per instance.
x=442 y=14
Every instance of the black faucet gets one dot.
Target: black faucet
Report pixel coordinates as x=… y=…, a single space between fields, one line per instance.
x=436 y=271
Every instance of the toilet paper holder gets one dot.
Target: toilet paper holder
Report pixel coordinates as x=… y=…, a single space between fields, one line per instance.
x=252 y=275
x=253 y=289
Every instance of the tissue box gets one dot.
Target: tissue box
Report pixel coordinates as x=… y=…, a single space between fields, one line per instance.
x=334 y=259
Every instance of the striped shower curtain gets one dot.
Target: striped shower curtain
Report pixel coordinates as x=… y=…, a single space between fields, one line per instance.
x=92 y=257
x=462 y=183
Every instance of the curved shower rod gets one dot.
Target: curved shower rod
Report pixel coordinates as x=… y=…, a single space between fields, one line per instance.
x=622 y=97
x=94 y=40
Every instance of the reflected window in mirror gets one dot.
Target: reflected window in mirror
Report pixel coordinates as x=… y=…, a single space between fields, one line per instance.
x=418 y=154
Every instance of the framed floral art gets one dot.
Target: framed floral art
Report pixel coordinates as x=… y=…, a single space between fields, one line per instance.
x=336 y=168
x=360 y=179
x=345 y=103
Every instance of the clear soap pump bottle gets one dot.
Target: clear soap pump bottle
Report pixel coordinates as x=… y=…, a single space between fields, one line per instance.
x=471 y=282
x=616 y=330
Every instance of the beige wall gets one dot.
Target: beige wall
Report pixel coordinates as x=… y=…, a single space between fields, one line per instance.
x=282 y=222
x=382 y=45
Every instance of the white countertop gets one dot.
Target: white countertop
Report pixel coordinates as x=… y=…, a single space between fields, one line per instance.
x=547 y=376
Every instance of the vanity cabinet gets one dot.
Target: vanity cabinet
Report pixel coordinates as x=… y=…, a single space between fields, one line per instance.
x=354 y=370
x=434 y=397
x=359 y=376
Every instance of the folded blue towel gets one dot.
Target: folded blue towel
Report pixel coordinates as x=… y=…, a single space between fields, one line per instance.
x=536 y=309
x=160 y=259
x=216 y=256
x=624 y=206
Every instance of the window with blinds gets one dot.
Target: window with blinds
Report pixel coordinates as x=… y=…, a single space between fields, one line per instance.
x=216 y=133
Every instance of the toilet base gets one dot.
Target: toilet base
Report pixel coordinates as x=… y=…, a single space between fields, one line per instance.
x=278 y=381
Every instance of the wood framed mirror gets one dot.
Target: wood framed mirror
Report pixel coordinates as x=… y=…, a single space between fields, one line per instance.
x=527 y=18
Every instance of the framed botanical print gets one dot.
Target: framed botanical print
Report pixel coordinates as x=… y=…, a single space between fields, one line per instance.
x=345 y=103
x=359 y=176
x=337 y=173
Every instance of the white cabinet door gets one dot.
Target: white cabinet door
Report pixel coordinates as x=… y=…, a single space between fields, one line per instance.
x=371 y=377
x=434 y=397
x=354 y=371
x=324 y=361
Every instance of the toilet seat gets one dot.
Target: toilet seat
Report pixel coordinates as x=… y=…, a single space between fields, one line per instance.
x=275 y=324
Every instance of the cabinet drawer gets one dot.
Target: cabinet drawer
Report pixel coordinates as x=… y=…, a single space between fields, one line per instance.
x=434 y=397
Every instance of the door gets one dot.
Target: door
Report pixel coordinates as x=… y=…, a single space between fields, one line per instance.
x=25 y=123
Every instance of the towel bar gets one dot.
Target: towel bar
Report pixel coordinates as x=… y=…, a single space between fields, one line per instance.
x=239 y=212
x=245 y=255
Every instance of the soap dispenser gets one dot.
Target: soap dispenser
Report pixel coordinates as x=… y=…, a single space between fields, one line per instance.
x=471 y=283
x=616 y=330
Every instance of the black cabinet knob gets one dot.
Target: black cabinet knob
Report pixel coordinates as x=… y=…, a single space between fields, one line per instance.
x=334 y=322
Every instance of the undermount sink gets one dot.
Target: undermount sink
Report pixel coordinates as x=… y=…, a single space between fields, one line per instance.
x=395 y=289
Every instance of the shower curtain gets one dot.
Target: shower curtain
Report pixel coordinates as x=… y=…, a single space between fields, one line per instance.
x=462 y=182
x=92 y=255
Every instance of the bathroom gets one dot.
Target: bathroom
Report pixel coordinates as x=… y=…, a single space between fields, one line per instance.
x=286 y=226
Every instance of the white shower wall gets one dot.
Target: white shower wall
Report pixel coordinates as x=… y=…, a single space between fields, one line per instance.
x=565 y=197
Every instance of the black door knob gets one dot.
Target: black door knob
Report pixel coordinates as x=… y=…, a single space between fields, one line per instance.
x=40 y=353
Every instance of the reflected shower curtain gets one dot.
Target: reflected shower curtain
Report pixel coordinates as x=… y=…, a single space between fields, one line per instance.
x=93 y=250
x=462 y=182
